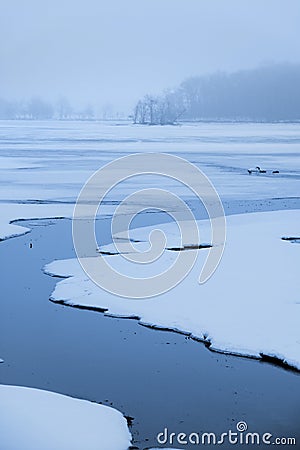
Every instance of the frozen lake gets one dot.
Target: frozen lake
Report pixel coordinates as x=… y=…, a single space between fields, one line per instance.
x=161 y=379
x=51 y=160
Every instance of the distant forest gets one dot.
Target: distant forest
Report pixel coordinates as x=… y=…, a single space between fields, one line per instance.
x=37 y=108
x=265 y=94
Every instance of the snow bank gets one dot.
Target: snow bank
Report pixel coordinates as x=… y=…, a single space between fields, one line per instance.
x=250 y=306
x=32 y=419
x=10 y=212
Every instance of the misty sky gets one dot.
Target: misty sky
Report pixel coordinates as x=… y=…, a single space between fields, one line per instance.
x=115 y=51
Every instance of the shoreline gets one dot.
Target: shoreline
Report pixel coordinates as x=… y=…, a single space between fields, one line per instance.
x=263 y=358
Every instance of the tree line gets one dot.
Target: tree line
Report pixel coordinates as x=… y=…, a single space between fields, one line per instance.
x=37 y=108
x=265 y=94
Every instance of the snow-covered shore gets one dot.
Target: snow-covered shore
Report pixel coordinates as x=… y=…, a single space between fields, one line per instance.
x=32 y=419
x=249 y=307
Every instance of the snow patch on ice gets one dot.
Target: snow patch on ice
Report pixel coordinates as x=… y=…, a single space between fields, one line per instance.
x=11 y=212
x=249 y=307
x=33 y=419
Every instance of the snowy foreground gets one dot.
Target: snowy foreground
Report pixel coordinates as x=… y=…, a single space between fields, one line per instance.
x=250 y=306
x=32 y=419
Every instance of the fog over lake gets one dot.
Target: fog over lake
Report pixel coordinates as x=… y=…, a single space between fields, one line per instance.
x=112 y=53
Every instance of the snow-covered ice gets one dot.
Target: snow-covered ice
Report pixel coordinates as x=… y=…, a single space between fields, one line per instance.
x=43 y=166
x=11 y=212
x=31 y=419
x=52 y=160
x=250 y=306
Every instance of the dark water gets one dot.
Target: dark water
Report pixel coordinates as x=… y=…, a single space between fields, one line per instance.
x=160 y=379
